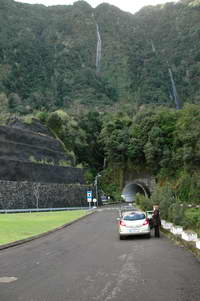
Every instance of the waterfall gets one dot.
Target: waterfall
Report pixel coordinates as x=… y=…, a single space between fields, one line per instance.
x=153 y=46
x=98 y=53
x=176 y=98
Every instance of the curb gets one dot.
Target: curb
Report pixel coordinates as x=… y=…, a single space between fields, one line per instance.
x=190 y=246
x=25 y=240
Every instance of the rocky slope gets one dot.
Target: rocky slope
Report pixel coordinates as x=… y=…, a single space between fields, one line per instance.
x=29 y=155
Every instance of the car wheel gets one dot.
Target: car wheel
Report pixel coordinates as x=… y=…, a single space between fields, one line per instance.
x=121 y=237
x=149 y=235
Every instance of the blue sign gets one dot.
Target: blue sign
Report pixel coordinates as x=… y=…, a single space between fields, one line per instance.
x=89 y=196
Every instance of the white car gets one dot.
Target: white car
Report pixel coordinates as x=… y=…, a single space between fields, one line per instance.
x=134 y=223
x=150 y=216
x=125 y=210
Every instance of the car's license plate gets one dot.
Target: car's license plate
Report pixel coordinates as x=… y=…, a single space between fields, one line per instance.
x=133 y=230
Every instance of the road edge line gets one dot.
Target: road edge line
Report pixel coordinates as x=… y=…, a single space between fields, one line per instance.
x=189 y=246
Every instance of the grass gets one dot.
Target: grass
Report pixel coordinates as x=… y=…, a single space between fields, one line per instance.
x=192 y=216
x=15 y=227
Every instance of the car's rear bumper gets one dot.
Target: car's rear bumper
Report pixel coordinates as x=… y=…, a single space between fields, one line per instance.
x=133 y=234
x=127 y=232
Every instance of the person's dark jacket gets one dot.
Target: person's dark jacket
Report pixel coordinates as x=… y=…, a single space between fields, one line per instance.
x=156 y=219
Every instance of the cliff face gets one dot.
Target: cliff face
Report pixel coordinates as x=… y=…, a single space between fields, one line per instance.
x=28 y=153
x=48 y=55
x=31 y=143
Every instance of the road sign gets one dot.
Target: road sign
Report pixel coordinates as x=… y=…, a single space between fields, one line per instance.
x=94 y=200
x=89 y=196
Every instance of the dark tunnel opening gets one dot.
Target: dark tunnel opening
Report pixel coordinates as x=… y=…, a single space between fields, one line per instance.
x=130 y=190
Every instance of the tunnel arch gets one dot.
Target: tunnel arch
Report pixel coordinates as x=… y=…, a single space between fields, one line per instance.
x=130 y=190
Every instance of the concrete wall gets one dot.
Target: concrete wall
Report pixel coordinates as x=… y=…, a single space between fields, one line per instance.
x=21 y=195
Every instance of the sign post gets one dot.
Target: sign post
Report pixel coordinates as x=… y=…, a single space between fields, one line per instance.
x=89 y=198
x=95 y=202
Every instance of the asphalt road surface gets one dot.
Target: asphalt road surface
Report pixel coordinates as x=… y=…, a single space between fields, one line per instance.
x=87 y=262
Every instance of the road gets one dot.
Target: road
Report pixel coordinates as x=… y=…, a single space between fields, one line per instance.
x=87 y=262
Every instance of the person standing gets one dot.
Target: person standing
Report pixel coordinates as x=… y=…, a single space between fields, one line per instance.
x=156 y=221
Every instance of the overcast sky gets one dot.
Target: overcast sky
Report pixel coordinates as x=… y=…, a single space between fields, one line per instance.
x=126 y=5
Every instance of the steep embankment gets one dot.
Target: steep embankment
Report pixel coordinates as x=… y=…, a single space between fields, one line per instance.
x=29 y=155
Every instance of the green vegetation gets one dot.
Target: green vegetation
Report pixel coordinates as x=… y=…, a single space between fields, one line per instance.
x=44 y=161
x=123 y=117
x=63 y=163
x=79 y=136
x=164 y=141
x=160 y=140
x=192 y=217
x=143 y=202
x=171 y=207
x=18 y=226
x=48 y=54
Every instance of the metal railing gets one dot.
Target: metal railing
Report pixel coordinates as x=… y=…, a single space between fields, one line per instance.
x=42 y=209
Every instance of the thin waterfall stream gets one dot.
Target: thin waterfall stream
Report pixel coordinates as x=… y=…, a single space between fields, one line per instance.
x=175 y=95
x=98 y=53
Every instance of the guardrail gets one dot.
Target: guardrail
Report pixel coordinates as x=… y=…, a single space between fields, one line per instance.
x=190 y=205
x=41 y=209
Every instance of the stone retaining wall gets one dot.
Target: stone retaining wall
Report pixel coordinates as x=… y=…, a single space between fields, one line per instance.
x=22 y=195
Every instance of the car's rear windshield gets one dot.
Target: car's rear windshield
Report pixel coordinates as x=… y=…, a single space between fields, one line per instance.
x=134 y=217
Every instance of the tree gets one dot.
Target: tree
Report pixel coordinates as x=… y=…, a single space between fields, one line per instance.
x=36 y=192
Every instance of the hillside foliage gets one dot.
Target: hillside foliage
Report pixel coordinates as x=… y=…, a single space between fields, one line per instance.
x=48 y=55
x=160 y=140
x=124 y=115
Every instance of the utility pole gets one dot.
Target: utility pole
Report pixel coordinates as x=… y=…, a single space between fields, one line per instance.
x=96 y=188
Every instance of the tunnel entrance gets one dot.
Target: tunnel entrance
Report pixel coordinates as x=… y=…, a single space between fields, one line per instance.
x=130 y=190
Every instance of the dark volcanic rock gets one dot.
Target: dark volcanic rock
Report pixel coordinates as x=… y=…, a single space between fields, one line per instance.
x=26 y=155
x=20 y=178
x=35 y=126
x=11 y=170
x=31 y=138
x=29 y=153
x=20 y=142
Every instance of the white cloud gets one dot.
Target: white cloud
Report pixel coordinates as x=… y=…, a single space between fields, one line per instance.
x=126 y=5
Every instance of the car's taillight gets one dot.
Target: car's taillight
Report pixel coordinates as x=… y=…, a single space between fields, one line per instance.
x=146 y=222
x=122 y=223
